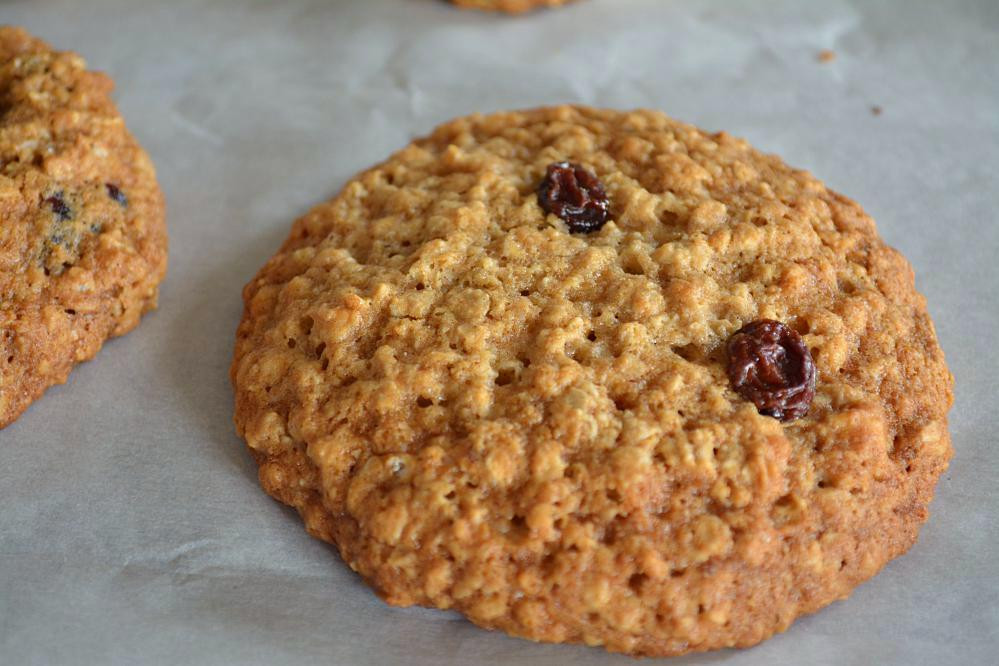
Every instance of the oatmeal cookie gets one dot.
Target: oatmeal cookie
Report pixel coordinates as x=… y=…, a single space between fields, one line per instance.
x=83 y=240
x=509 y=6
x=596 y=376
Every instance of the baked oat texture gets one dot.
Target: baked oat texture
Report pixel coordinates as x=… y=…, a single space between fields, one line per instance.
x=509 y=6
x=486 y=413
x=82 y=233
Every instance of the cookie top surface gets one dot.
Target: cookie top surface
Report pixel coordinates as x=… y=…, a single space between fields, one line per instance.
x=509 y=6
x=535 y=427
x=83 y=239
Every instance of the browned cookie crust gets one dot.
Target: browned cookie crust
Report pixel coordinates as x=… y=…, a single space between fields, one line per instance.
x=488 y=413
x=82 y=234
x=509 y=6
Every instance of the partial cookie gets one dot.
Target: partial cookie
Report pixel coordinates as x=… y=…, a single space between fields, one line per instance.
x=599 y=377
x=83 y=241
x=510 y=6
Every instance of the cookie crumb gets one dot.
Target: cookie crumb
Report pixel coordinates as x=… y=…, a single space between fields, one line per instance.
x=826 y=55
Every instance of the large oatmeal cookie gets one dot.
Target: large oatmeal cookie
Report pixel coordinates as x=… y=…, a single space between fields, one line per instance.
x=82 y=234
x=487 y=412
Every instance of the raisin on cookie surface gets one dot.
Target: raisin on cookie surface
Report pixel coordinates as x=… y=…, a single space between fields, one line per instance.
x=509 y=6
x=546 y=428
x=82 y=233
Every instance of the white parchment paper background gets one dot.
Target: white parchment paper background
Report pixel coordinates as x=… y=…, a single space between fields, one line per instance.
x=132 y=530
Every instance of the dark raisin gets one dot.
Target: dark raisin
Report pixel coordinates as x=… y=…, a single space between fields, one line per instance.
x=575 y=195
x=59 y=206
x=115 y=193
x=769 y=364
